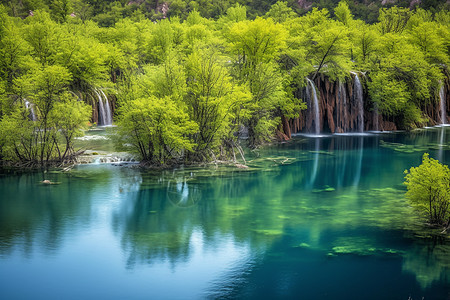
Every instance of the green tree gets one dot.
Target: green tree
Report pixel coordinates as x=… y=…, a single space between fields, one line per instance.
x=157 y=129
x=70 y=117
x=13 y=49
x=364 y=39
x=393 y=19
x=161 y=41
x=209 y=100
x=429 y=190
x=234 y=14
x=343 y=13
x=280 y=12
x=61 y=9
x=37 y=142
x=427 y=37
x=402 y=81
x=257 y=41
x=256 y=45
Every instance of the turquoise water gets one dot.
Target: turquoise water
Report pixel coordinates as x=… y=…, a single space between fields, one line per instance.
x=314 y=218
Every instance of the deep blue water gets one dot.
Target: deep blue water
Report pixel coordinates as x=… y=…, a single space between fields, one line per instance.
x=314 y=218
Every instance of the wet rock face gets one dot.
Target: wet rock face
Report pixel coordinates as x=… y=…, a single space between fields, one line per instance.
x=342 y=108
x=346 y=107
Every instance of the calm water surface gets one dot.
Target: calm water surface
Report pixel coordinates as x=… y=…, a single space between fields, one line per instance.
x=315 y=218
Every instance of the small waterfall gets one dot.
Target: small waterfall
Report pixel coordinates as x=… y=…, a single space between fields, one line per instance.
x=358 y=98
x=443 y=105
x=376 y=116
x=316 y=106
x=104 y=116
x=341 y=115
x=30 y=106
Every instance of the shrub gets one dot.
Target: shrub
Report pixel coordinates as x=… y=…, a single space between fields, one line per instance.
x=429 y=190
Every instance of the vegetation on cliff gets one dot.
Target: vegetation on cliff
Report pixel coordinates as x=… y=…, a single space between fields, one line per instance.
x=186 y=86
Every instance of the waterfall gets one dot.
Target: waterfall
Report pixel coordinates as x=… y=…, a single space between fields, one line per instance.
x=443 y=105
x=104 y=113
x=29 y=106
x=316 y=106
x=376 y=117
x=341 y=115
x=358 y=98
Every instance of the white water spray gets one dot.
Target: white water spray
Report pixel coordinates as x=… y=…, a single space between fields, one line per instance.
x=30 y=106
x=443 y=105
x=104 y=116
x=316 y=106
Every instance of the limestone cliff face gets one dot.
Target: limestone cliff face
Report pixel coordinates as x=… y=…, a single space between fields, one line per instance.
x=339 y=109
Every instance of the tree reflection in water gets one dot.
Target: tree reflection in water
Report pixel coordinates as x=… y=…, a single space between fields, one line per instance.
x=270 y=225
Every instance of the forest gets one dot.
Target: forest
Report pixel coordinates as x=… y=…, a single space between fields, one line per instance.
x=184 y=80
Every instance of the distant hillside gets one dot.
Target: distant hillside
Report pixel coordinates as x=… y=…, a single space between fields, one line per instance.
x=106 y=13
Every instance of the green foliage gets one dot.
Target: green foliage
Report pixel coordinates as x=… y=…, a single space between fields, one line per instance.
x=208 y=100
x=70 y=117
x=280 y=12
x=157 y=128
x=256 y=41
x=343 y=13
x=393 y=19
x=364 y=40
x=325 y=44
x=57 y=114
x=60 y=9
x=46 y=140
x=402 y=79
x=429 y=190
x=234 y=14
x=390 y=95
x=256 y=45
x=222 y=65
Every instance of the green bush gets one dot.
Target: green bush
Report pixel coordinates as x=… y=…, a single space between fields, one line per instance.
x=429 y=190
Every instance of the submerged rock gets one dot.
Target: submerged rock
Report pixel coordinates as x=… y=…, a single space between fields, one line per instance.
x=48 y=182
x=325 y=189
x=241 y=166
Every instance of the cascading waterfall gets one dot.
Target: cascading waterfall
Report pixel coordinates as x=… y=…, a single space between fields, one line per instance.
x=29 y=106
x=104 y=116
x=443 y=105
x=108 y=115
x=376 y=116
x=342 y=118
x=316 y=106
x=358 y=98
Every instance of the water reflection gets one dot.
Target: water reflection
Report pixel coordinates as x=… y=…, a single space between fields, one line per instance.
x=316 y=162
x=428 y=261
x=441 y=143
x=360 y=152
x=181 y=193
x=285 y=227
x=36 y=217
x=39 y=218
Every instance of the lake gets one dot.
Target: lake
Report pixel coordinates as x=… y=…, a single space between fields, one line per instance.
x=314 y=218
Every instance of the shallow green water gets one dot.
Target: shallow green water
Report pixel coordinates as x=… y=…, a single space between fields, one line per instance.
x=315 y=218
